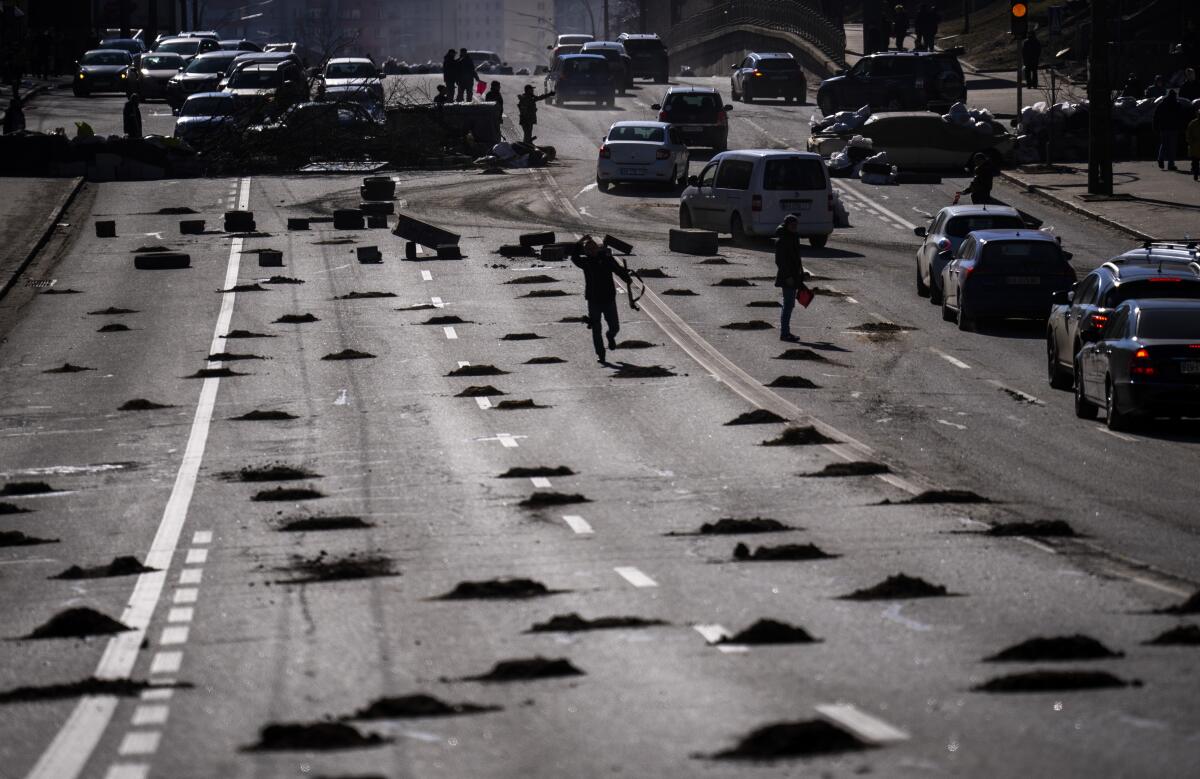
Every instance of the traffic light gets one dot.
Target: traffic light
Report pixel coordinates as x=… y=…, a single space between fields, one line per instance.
x=1019 y=18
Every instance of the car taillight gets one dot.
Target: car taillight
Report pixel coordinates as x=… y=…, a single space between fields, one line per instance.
x=1098 y=321
x=721 y=117
x=758 y=74
x=604 y=154
x=662 y=154
x=1139 y=364
x=662 y=116
x=756 y=203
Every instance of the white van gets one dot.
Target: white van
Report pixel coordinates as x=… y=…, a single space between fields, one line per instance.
x=750 y=191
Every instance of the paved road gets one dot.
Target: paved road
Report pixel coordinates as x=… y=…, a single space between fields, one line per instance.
x=243 y=614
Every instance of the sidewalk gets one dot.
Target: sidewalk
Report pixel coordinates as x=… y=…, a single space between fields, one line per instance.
x=30 y=87
x=29 y=209
x=1147 y=203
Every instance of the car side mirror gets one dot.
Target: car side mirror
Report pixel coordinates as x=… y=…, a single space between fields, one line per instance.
x=1068 y=256
x=693 y=181
x=920 y=232
x=1060 y=297
x=656 y=107
x=733 y=67
x=728 y=108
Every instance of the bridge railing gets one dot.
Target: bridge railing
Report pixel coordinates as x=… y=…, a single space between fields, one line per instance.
x=802 y=18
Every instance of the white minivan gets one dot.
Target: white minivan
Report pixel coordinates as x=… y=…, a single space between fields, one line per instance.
x=750 y=191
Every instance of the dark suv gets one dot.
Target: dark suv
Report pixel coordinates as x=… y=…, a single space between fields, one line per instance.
x=698 y=115
x=649 y=56
x=582 y=77
x=768 y=75
x=1079 y=316
x=897 y=81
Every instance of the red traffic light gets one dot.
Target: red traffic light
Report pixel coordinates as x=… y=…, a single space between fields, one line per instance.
x=1019 y=10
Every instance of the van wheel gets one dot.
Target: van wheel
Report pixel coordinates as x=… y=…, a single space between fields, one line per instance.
x=685 y=218
x=738 y=230
x=1084 y=408
x=602 y=185
x=818 y=241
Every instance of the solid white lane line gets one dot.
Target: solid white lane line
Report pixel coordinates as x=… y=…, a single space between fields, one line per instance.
x=634 y=576
x=1025 y=396
x=712 y=633
x=483 y=403
x=451 y=335
x=426 y=276
x=173 y=635
x=1115 y=434
x=541 y=482
x=578 y=524
x=952 y=424
x=202 y=537
x=866 y=726
x=128 y=771
x=196 y=557
x=191 y=575
x=155 y=714
x=186 y=595
x=139 y=742
x=72 y=746
x=957 y=363
x=437 y=302
x=183 y=614
x=166 y=662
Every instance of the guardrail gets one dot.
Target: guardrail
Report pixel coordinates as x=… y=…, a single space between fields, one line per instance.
x=802 y=18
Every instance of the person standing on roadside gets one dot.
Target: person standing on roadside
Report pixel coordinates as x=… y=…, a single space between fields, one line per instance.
x=980 y=188
x=14 y=117
x=1157 y=89
x=450 y=73
x=494 y=96
x=598 y=268
x=789 y=274
x=1167 y=118
x=1190 y=88
x=900 y=26
x=466 y=76
x=926 y=26
x=1193 y=144
x=527 y=111
x=1031 y=55
x=132 y=115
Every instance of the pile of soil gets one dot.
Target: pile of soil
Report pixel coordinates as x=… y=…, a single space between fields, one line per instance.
x=115 y=327
x=258 y=415
x=539 y=279
x=12 y=508
x=541 y=499
x=544 y=361
x=800 y=436
x=215 y=373
x=449 y=319
x=573 y=623
x=793 y=382
x=939 y=496
x=176 y=211
x=150 y=249
x=1189 y=606
x=418 y=307
x=527 y=669
x=57 y=291
x=313 y=736
x=246 y=334
x=653 y=273
x=728 y=526
x=272 y=472
x=635 y=344
x=769 y=631
x=537 y=470
x=283 y=280
x=628 y=371
x=764 y=304
x=477 y=370
x=1183 y=635
x=517 y=405
x=307 y=524
x=17 y=538
x=499 y=589
x=124 y=688
x=416 y=706
x=802 y=354
x=716 y=261
x=1039 y=528
x=521 y=337
x=736 y=282
x=141 y=404
x=759 y=416
x=784 y=552
x=899 y=587
x=324 y=568
x=296 y=319
x=1075 y=647
x=349 y=354
x=1053 y=681
x=574 y=320
x=855 y=468
x=287 y=493
x=243 y=288
x=126 y=565
x=753 y=324
x=112 y=311
x=680 y=292
x=67 y=367
x=365 y=295
x=232 y=357
x=793 y=739
x=545 y=293
x=78 y=623
x=882 y=327
x=480 y=391
x=18 y=488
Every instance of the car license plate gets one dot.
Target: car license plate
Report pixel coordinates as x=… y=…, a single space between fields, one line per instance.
x=1024 y=280
x=796 y=206
x=632 y=172
x=1189 y=366
x=693 y=129
x=587 y=91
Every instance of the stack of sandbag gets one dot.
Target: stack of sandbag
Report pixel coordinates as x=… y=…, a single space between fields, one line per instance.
x=978 y=119
x=878 y=169
x=847 y=162
x=841 y=122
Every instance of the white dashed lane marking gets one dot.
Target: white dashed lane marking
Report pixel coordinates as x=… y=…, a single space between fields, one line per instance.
x=635 y=576
x=139 y=743
x=426 y=276
x=578 y=524
x=540 y=482
x=451 y=334
x=957 y=363
x=437 y=302
x=155 y=714
x=483 y=403
x=867 y=727
x=711 y=633
x=166 y=662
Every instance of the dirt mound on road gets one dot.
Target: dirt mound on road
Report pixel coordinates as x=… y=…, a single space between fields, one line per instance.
x=349 y=354
x=729 y=526
x=800 y=436
x=447 y=320
x=12 y=508
x=215 y=373
x=78 y=623
x=365 y=295
x=1054 y=681
x=324 y=568
x=480 y=391
x=527 y=670
x=67 y=367
x=545 y=361
x=246 y=334
x=233 y=357
x=1076 y=647
x=265 y=416
x=141 y=404
x=938 y=496
x=287 y=493
x=759 y=416
x=769 y=631
x=802 y=354
x=477 y=370
x=539 y=279
x=899 y=587
x=855 y=468
x=1183 y=635
x=272 y=472
x=546 y=293
x=522 y=337
x=126 y=565
x=1189 y=606
x=1039 y=528
x=416 y=706
x=793 y=739
x=296 y=319
x=283 y=280
x=680 y=292
x=17 y=538
x=881 y=327
x=764 y=304
x=521 y=472
x=313 y=736
x=18 y=488
x=635 y=344
x=314 y=524
x=498 y=589
x=244 y=288
x=793 y=382
x=541 y=499
x=517 y=405
x=115 y=327
x=112 y=311
x=753 y=324
x=573 y=623
x=735 y=282
x=784 y=552
x=628 y=371
x=122 y=688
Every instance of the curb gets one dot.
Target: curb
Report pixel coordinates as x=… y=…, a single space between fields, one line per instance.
x=1038 y=192
x=47 y=229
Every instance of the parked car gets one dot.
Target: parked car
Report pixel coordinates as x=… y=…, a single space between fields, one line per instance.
x=582 y=77
x=238 y=44
x=267 y=88
x=102 y=70
x=345 y=77
x=310 y=129
x=153 y=72
x=132 y=45
x=750 y=192
x=642 y=151
x=1079 y=316
x=247 y=58
x=897 y=81
x=1146 y=363
x=1004 y=274
x=648 y=54
x=208 y=119
x=618 y=61
x=187 y=47
x=947 y=231
x=762 y=75
x=209 y=34
x=484 y=57
x=921 y=141
x=698 y=113
x=203 y=74
x=558 y=52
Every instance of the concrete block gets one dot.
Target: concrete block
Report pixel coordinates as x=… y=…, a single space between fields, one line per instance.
x=162 y=261
x=369 y=254
x=106 y=228
x=239 y=222
x=410 y=250
x=377 y=221
x=377 y=188
x=347 y=219
x=449 y=252
x=427 y=235
x=553 y=253
x=537 y=239
x=384 y=207
x=295 y=223
x=693 y=241
x=509 y=250
x=191 y=226
x=270 y=258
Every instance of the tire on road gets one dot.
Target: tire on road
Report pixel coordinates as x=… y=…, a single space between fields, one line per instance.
x=162 y=261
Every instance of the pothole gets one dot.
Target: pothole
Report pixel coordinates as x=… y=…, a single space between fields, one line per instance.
x=17 y=538
x=449 y=319
x=527 y=669
x=899 y=587
x=499 y=589
x=545 y=293
x=255 y=287
x=518 y=405
x=530 y=472
x=265 y=415
x=112 y=311
x=11 y=508
x=854 y=468
x=246 y=334
x=538 y=279
x=783 y=552
x=770 y=631
x=417 y=706
x=477 y=370
x=1038 y=528
x=544 y=361
x=1075 y=647
x=125 y=565
x=142 y=404
x=759 y=416
x=806 y=435
x=635 y=344
x=115 y=327
x=1053 y=681
x=349 y=354
x=78 y=623
x=283 y=280
x=313 y=736
x=573 y=623
x=1189 y=606
x=480 y=391
x=1183 y=635
x=735 y=282
x=629 y=371
x=215 y=373
x=680 y=292
x=233 y=357
x=938 y=496
x=287 y=493
x=326 y=568
x=67 y=367
x=807 y=355
x=296 y=319
x=321 y=524
x=272 y=472
x=541 y=499
x=793 y=739
x=521 y=337
x=793 y=382
x=18 y=488
x=753 y=324
x=122 y=688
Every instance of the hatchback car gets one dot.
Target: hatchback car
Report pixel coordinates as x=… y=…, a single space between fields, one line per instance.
x=582 y=77
x=203 y=74
x=349 y=78
x=641 y=151
x=1080 y=315
x=208 y=120
x=768 y=75
x=648 y=54
x=946 y=233
x=698 y=113
x=102 y=70
x=618 y=61
x=750 y=192
x=187 y=47
x=921 y=141
x=1146 y=363
x=153 y=72
x=267 y=88
x=1004 y=274
x=897 y=81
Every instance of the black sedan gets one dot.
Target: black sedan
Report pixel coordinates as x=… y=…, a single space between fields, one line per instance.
x=103 y=70
x=1146 y=364
x=326 y=130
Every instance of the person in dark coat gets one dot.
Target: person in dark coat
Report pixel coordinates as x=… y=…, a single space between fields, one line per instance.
x=494 y=96
x=450 y=73
x=980 y=188
x=926 y=26
x=527 y=110
x=14 y=117
x=1167 y=119
x=1031 y=55
x=598 y=267
x=900 y=26
x=1133 y=87
x=1190 y=88
x=1157 y=89
x=132 y=115
x=465 y=76
x=789 y=274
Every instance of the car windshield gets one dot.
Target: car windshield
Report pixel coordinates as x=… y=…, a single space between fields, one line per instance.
x=1181 y=323
x=692 y=102
x=1018 y=256
x=181 y=47
x=254 y=79
x=959 y=226
x=648 y=134
x=644 y=46
x=161 y=62
x=208 y=65
x=778 y=64
x=794 y=173
x=1158 y=287
x=206 y=106
x=350 y=70
x=587 y=66
x=564 y=40
x=105 y=58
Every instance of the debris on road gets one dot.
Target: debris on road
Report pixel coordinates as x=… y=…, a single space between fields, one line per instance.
x=1189 y=606
x=254 y=287
x=573 y=623
x=802 y=354
x=287 y=494
x=112 y=311
x=1039 y=528
x=115 y=327
x=1075 y=647
x=770 y=631
x=537 y=239
x=900 y=586
x=734 y=282
x=782 y=553
x=423 y=233
x=508 y=250
x=417 y=706
x=162 y=261
x=477 y=370
x=215 y=373
x=349 y=354
x=1183 y=635
x=480 y=391
x=636 y=344
x=446 y=320
x=58 y=291
x=527 y=670
x=764 y=304
x=141 y=404
x=728 y=526
x=544 y=361
x=517 y=405
x=521 y=337
x=545 y=471
x=800 y=436
x=315 y=524
x=793 y=739
x=125 y=565
x=17 y=538
x=880 y=327
x=1054 y=681
x=680 y=292
x=324 y=568
x=689 y=241
x=545 y=293
x=297 y=223
x=369 y=255
x=247 y=334
x=313 y=736
x=537 y=279
x=793 y=382
x=78 y=623
x=348 y=219
x=12 y=508
x=630 y=371
x=499 y=589
x=754 y=324
x=232 y=357
x=855 y=468
x=67 y=367
x=121 y=688
x=295 y=319
x=540 y=499
x=938 y=496
x=272 y=472
x=265 y=416
x=270 y=258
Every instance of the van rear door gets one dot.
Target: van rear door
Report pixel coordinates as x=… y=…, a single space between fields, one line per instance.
x=795 y=185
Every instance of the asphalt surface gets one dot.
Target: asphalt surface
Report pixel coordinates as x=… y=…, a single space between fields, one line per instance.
x=231 y=620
